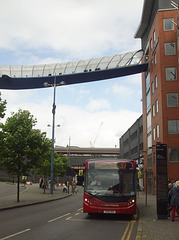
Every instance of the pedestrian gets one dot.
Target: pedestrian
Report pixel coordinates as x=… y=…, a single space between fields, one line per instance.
x=170 y=186
x=174 y=201
x=41 y=183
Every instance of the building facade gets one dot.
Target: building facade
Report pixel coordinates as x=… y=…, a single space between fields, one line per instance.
x=131 y=142
x=158 y=31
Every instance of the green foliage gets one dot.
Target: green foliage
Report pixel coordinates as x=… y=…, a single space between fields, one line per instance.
x=2 y=107
x=23 y=146
x=60 y=164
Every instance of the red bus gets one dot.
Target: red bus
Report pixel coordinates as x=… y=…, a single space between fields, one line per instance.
x=110 y=186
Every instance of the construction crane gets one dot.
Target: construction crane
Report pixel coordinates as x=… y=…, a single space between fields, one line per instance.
x=92 y=144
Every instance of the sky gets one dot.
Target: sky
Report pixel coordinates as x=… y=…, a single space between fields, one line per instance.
x=34 y=32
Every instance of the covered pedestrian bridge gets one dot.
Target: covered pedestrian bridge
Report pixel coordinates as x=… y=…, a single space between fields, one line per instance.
x=95 y=69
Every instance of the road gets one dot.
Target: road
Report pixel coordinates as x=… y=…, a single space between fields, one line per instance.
x=63 y=220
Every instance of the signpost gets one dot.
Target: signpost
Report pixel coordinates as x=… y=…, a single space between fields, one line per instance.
x=162 y=180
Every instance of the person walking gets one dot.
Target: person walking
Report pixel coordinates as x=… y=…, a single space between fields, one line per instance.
x=170 y=186
x=174 y=201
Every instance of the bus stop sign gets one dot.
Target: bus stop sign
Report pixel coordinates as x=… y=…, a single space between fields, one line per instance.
x=162 y=180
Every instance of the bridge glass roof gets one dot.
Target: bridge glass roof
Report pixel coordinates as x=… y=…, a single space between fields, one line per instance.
x=94 y=64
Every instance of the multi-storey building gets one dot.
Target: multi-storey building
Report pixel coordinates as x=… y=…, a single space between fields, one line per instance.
x=160 y=84
x=131 y=142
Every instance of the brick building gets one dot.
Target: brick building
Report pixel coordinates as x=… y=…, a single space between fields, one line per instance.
x=160 y=84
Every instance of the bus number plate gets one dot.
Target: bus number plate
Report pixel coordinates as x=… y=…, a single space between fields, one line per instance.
x=109 y=211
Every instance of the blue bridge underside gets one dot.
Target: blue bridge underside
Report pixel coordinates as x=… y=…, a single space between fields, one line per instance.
x=16 y=83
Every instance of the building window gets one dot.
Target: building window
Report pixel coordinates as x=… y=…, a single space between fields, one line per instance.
x=173 y=154
x=156 y=106
x=154 y=36
x=170 y=48
x=151 y=46
x=172 y=100
x=149 y=140
x=153 y=134
x=171 y=73
x=153 y=110
x=168 y=24
x=151 y=66
x=155 y=58
x=173 y=126
x=149 y=162
x=157 y=128
x=149 y=122
x=147 y=81
x=152 y=87
x=148 y=99
x=156 y=81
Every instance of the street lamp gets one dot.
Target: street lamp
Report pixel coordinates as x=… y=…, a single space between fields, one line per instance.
x=54 y=85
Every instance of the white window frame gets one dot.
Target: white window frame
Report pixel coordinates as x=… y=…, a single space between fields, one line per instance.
x=169 y=96
x=153 y=110
x=156 y=106
x=156 y=83
x=170 y=48
x=173 y=126
x=157 y=131
x=168 y=24
x=154 y=36
x=171 y=73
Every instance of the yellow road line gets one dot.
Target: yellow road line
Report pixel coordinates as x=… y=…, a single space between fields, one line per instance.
x=123 y=237
x=128 y=230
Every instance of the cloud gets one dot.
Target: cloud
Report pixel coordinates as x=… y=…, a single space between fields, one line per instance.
x=78 y=123
x=98 y=104
x=50 y=31
x=80 y=29
x=122 y=90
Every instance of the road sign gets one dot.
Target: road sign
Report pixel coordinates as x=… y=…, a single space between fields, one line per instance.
x=162 y=180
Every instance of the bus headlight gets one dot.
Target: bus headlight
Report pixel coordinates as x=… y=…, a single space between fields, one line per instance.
x=132 y=201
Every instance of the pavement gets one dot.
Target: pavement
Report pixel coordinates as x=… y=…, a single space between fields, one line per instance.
x=29 y=195
x=149 y=227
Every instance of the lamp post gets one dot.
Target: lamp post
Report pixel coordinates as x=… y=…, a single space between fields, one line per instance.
x=54 y=85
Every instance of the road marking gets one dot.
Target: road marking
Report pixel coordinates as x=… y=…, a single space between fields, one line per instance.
x=80 y=209
x=128 y=231
x=58 y=218
x=78 y=220
x=77 y=214
x=15 y=234
x=123 y=237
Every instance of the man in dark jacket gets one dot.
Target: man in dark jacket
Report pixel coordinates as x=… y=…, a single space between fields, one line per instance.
x=174 y=201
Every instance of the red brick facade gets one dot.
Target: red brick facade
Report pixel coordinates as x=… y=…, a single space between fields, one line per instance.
x=158 y=62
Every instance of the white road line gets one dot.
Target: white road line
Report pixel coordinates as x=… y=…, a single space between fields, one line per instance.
x=58 y=218
x=15 y=234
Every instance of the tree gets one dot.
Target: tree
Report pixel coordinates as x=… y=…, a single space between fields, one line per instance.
x=60 y=164
x=2 y=107
x=23 y=146
x=2 y=114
